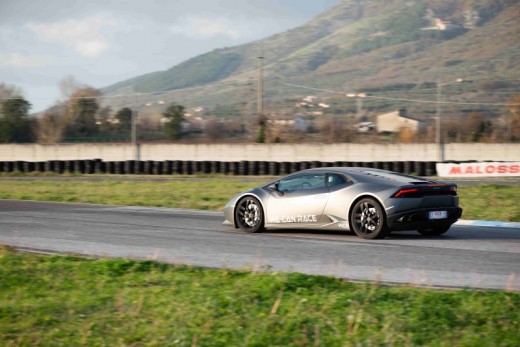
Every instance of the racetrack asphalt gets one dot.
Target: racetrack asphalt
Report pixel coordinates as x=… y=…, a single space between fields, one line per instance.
x=468 y=255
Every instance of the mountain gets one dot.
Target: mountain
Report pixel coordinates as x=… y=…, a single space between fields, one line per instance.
x=369 y=45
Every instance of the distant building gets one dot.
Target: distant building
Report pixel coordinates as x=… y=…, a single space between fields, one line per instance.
x=290 y=124
x=310 y=98
x=394 y=121
x=442 y=25
x=300 y=124
x=365 y=127
x=284 y=122
x=471 y=19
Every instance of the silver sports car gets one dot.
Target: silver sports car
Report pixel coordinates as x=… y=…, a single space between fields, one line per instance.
x=369 y=202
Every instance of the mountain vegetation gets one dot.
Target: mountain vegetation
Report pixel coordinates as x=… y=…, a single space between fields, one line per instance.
x=358 y=44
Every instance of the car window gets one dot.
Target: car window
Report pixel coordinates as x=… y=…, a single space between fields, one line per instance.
x=335 y=179
x=302 y=182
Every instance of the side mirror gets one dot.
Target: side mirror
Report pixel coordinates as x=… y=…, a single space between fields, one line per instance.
x=273 y=187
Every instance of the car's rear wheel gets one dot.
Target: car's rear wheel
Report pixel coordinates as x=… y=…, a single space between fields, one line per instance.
x=434 y=231
x=249 y=215
x=368 y=219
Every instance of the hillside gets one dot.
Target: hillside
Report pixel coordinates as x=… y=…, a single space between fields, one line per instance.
x=377 y=45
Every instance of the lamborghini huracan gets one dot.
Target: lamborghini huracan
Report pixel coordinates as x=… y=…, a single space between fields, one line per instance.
x=372 y=203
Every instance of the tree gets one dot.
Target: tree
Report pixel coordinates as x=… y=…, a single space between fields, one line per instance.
x=69 y=85
x=173 y=127
x=15 y=126
x=479 y=127
x=51 y=125
x=514 y=122
x=105 y=119
x=405 y=135
x=214 y=129
x=74 y=117
x=8 y=91
x=81 y=112
x=260 y=137
x=124 y=116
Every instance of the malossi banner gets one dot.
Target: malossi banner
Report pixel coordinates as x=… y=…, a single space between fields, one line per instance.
x=488 y=169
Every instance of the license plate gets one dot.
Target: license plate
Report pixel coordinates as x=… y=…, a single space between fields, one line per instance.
x=438 y=214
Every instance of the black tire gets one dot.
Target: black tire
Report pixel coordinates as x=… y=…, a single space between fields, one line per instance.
x=367 y=220
x=434 y=231
x=249 y=215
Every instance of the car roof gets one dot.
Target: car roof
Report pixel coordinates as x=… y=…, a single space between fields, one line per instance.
x=370 y=174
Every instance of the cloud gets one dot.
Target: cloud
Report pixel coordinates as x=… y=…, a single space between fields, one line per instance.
x=82 y=35
x=21 y=60
x=206 y=28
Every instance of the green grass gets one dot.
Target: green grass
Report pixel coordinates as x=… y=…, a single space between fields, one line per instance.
x=198 y=194
x=484 y=202
x=491 y=202
x=67 y=301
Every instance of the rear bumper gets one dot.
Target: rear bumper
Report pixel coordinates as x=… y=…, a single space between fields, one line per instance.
x=418 y=218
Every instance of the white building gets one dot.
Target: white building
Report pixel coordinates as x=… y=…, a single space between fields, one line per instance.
x=394 y=121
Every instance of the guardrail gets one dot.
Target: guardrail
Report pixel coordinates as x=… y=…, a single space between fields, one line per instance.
x=182 y=167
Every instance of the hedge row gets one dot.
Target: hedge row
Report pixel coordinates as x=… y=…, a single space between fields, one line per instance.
x=172 y=167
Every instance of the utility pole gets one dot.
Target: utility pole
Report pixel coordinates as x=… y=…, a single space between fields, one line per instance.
x=262 y=122
x=438 y=114
x=438 y=140
x=134 y=125
x=359 y=107
x=260 y=92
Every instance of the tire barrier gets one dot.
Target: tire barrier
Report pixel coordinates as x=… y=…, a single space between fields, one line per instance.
x=419 y=168
x=285 y=168
x=274 y=168
x=243 y=168
x=388 y=165
x=430 y=169
x=408 y=167
x=186 y=167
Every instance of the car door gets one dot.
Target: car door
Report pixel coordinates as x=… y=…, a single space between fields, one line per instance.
x=340 y=198
x=298 y=200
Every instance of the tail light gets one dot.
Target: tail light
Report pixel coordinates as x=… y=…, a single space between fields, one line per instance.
x=426 y=190
x=401 y=193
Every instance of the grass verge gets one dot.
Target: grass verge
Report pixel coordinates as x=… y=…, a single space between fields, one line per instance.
x=484 y=202
x=68 y=301
x=198 y=194
x=491 y=202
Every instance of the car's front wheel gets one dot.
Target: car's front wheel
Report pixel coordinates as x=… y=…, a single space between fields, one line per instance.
x=368 y=219
x=434 y=231
x=249 y=215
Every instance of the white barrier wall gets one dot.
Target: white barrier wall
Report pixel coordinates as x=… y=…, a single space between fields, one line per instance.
x=263 y=152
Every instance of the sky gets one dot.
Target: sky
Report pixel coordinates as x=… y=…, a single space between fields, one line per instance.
x=102 y=42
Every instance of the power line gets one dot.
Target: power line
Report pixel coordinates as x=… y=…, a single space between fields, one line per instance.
x=402 y=99
x=167 y=92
